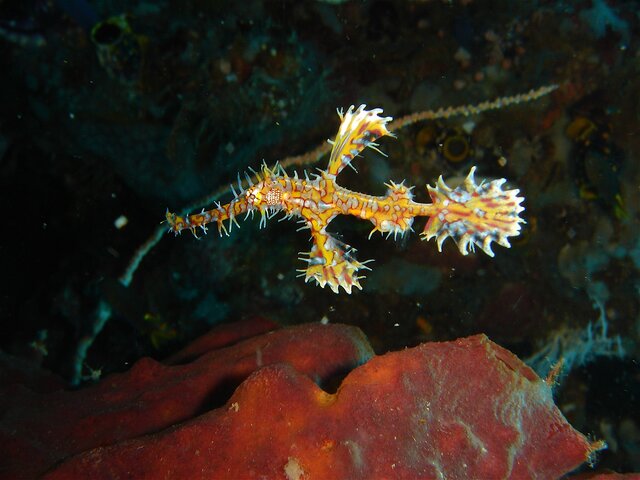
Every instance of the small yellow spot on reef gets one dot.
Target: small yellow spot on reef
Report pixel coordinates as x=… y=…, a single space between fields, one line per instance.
x=325 y=399
x=293 y=470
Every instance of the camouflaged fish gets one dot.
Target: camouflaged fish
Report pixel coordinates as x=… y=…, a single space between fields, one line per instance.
x=471 y=214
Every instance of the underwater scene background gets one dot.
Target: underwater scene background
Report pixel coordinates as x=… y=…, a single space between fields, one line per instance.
x=114 y=111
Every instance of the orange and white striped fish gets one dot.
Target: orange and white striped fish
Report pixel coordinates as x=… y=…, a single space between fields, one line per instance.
x=471 y=214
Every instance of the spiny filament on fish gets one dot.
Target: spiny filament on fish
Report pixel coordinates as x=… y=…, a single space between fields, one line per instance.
x=471 y=214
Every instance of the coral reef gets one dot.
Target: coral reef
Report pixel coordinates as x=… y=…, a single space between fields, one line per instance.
x=461 y=409
x=38 y=430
